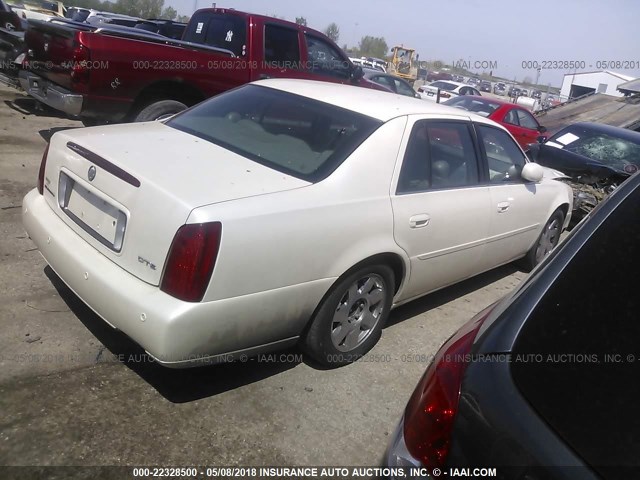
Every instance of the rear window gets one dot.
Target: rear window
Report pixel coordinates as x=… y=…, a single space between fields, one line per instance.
x=296 y=135
x=577 y=358
x=218 y=30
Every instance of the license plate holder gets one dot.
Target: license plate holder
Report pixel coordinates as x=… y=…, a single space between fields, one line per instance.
x=96 y=216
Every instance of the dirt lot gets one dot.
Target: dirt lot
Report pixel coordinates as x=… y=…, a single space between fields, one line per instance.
x=75 y=392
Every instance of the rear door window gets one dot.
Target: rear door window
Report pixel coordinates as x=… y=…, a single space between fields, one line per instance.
x=439 y=155
x=281 y=47
x=577 y=358
x=404 y=89
x=218 y=30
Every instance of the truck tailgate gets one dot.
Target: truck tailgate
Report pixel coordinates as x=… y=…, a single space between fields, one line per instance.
x=51 y=48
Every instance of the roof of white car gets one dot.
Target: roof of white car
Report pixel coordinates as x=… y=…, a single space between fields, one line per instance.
x=374 y=103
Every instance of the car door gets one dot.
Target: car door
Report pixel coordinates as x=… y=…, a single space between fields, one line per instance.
x=518 y=208
x=441 y=211
x=511 y=121
x=529 y=127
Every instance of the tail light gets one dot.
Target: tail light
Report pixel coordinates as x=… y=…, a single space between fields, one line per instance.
x=191 y=260
x=43 y=165
x=445 y=95
x=80 y=68
x=430 y=413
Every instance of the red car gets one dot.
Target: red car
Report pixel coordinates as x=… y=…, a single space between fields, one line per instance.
x=518 y=120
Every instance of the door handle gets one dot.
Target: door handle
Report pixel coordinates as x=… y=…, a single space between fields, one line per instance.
x=503 y=207
x=419 y=221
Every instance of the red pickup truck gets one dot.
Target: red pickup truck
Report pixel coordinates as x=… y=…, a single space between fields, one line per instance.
x=113 y=74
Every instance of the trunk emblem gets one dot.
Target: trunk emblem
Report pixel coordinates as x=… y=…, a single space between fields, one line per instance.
x=92 y=173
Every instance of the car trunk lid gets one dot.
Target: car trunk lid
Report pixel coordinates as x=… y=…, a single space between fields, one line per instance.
x=126 y=189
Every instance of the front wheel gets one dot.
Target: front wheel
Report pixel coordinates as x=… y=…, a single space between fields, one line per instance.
x=547 y=241
x=349 y=321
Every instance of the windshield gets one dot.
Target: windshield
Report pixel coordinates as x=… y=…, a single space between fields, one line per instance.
x=296 y=135
x=610 y=150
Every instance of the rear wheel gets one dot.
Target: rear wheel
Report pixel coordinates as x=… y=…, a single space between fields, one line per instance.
x=349 y=320
x=159 y=110
x=547 y=241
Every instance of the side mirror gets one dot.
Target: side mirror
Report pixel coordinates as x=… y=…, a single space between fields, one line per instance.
x=357 y=73
x=542 y=129
x=541 y=139
x=532 y=172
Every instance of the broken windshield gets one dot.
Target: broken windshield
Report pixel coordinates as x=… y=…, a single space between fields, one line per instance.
x=610 y=150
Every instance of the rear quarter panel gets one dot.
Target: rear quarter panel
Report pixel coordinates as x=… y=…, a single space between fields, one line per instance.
x=315 y=232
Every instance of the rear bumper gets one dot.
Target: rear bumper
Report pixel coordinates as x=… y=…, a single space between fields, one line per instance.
x=176 y=333
x=51 y=94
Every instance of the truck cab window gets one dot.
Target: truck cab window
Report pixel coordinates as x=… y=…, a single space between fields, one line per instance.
x=281 y=47
x=326 y=59
x=218 y=30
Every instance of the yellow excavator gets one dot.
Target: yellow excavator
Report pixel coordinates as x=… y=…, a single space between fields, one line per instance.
x=402 y=63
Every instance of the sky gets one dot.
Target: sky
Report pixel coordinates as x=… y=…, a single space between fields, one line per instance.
x=498 y=34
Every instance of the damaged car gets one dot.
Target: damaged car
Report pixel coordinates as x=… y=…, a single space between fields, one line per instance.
x=596 y=159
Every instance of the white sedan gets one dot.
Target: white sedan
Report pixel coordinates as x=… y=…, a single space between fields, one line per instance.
x=448 y=89
x=284 y=211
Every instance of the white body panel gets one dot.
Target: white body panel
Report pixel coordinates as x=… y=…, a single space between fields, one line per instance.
x=284 y=241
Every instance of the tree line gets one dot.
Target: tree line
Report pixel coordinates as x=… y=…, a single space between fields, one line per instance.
x=368 y=46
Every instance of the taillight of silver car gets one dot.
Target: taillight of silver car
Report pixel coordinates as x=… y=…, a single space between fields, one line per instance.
x=424 y=436
x=43 y=165
x=191 y=259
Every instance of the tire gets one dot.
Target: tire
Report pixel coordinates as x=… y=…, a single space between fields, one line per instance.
x=158 y=110
x=546 y=242
x=342 y=331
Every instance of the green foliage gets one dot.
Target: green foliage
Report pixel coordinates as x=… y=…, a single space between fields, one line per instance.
x=183 y=18
x=333 y=32
x=301 y=21
x=373 y=47
x=169 y=13
x=140 y=8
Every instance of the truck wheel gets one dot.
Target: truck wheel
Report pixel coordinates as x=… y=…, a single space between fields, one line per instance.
x=547 y=241
x=158 y=110
x=349 y=321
